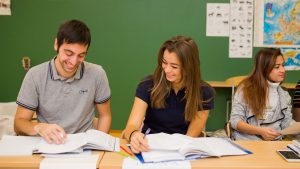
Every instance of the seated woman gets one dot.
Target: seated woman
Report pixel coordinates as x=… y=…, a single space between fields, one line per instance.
x=261 y=107
x=174 y=99
x=296 y=102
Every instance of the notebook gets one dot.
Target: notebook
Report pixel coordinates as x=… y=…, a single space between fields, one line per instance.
x=173 y=147
x=75 y=143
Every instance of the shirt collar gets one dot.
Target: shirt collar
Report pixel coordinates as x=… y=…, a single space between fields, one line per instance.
x=55 y=76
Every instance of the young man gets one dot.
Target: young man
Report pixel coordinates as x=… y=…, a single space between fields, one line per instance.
x=296 y=102
x=64 y=91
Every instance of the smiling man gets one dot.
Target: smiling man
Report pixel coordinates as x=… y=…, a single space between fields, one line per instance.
x=65 y=90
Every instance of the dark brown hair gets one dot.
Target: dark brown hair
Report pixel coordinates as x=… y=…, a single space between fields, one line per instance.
x=255 y=86
x=73 y=31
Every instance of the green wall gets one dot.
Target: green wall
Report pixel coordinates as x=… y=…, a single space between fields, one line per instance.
x=126 y=35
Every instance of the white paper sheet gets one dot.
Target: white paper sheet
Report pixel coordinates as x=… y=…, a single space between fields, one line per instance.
x=129 y=163
x=89 y=162
x=241 y=27
x=18 y=145
x=217 y=19
x=293 y=129
x=73 y=142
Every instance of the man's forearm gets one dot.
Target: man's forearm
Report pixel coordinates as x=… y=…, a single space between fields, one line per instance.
x=104 y=123
x=24 y=127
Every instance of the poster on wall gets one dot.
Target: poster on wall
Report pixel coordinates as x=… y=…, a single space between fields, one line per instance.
x=277 y=23
x=5 y=7
x=217 y=19
x=241 y=28
x=292 y=58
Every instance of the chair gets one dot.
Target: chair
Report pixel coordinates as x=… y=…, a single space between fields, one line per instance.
x=233 y=82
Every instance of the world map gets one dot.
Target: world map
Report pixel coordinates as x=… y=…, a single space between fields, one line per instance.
x=281 y=22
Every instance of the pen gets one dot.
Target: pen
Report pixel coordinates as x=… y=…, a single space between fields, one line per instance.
x=147 y=132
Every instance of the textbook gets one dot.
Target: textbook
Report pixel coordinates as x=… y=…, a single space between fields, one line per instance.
x=75 y=143
x=172 y=147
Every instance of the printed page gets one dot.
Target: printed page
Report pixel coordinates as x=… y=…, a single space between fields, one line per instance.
x=87 y=162
x=18 y=145
x=99 y=140
x=129 y=163
x=293 y=129
x=73 y=143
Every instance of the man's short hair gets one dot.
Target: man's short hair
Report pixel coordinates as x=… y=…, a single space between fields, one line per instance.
x=73 y=31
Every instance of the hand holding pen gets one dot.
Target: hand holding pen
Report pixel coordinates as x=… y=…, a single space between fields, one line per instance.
x=138 y=141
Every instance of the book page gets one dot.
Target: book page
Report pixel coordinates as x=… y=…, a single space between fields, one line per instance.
x=219 y=146
x=101 y=141
x=73 y=142
x=163 y=141
x=293 y=129
x=18 y=145
x=196 y=147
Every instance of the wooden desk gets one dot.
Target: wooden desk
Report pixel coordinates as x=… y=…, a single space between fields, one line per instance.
x=264 y=157
x=30 y=162
x=223 y=84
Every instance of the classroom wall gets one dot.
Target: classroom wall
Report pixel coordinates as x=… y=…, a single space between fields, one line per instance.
x=126 y=35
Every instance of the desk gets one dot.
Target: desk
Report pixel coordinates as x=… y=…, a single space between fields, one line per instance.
x=264 y=157
x=223 y=84
x=30 y=162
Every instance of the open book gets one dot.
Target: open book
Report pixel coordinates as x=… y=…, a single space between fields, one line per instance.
x=91 y=139
x=75 y=143
x=170 y=147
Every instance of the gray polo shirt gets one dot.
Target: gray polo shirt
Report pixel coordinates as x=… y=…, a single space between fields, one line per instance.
x=69 y=103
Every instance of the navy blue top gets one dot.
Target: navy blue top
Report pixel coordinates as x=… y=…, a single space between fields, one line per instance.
x=171 y=118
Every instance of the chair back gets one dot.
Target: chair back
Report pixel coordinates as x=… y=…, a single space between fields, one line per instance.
x=233 y=82
x=7 y=115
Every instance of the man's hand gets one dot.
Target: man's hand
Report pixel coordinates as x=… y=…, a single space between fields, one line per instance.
x=52 y=133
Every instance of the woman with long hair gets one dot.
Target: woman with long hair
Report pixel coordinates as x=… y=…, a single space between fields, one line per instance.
x=174 y=99
x=261 y=107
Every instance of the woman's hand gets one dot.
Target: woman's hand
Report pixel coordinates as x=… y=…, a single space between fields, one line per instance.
x=269 y=134
x=138 y=142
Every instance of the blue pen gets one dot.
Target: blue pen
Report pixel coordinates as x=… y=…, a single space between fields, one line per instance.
x=147 y=132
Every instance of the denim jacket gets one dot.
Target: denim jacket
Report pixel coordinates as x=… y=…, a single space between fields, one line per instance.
x=280 y=118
